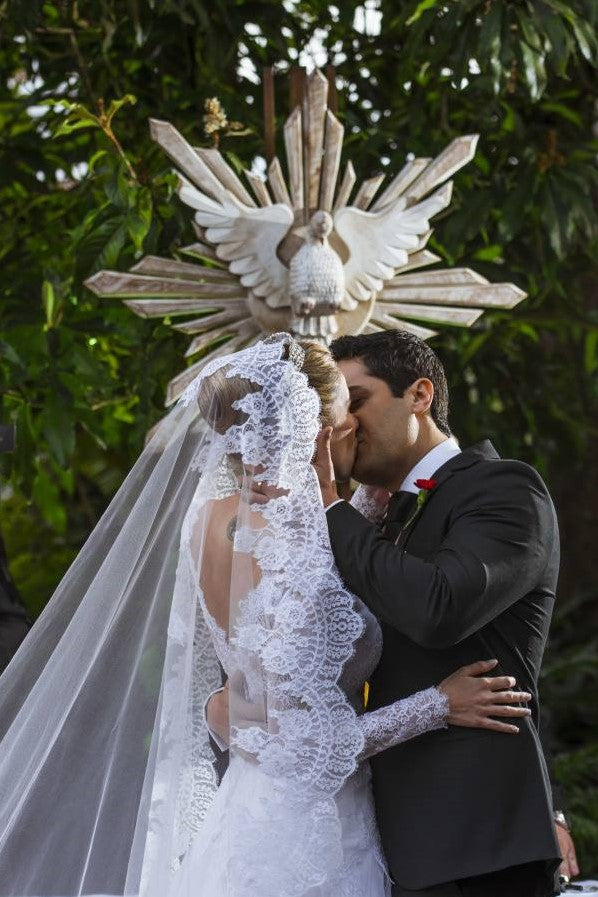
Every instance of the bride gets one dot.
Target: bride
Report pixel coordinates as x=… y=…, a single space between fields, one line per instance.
x=107 y=779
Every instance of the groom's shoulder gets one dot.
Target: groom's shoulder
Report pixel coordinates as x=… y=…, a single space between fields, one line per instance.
x=491 y=472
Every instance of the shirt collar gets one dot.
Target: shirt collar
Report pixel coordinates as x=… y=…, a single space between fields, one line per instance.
x=427 y=466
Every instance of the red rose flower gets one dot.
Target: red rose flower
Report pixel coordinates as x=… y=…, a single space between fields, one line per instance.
x=426 y=484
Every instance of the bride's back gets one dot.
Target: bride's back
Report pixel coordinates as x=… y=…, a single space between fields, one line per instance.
x=219 y=518
x=221 y=589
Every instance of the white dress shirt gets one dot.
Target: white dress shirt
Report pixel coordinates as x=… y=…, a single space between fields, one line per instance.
x=426 y=467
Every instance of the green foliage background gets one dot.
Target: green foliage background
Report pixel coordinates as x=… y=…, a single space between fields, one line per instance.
x=84 y=378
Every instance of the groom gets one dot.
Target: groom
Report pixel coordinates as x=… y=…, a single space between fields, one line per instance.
x=467 y=570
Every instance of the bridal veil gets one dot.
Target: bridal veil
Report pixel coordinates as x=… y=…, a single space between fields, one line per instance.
x=106 y=770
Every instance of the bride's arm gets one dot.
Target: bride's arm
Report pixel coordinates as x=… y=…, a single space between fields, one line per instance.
x=466 y=698
x=371 y=502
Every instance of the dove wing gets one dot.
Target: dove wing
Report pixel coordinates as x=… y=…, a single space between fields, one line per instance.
x=379 y=242
x=246 y=238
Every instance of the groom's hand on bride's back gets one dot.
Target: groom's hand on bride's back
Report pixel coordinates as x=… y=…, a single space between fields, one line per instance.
x=476 y=698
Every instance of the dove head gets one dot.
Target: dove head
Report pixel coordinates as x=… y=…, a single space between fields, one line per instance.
x=320 y=225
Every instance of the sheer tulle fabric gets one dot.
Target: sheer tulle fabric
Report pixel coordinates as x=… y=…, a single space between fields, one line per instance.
x=106 y=772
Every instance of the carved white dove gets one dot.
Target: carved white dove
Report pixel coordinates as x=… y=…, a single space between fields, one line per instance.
x=317 y=283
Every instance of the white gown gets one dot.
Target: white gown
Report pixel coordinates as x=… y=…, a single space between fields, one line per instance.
x=204 y=872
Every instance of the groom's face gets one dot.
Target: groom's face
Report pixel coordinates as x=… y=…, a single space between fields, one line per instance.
x=386 y=424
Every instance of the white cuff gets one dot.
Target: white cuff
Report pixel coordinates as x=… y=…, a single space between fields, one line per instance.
x=332 y=504
x=220 y=744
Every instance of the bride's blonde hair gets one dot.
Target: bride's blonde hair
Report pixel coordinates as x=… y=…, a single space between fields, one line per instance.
x=218 y=392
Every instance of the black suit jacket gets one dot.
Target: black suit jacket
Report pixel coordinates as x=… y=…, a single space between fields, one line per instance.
x=473 y=578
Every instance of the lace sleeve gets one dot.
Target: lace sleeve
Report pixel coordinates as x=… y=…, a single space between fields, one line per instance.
x=388 y=726
x=370 y=502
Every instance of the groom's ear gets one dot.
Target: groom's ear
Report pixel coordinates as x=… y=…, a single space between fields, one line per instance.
x=422 y=392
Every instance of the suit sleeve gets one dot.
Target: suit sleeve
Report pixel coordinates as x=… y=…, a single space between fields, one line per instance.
x=501 y=535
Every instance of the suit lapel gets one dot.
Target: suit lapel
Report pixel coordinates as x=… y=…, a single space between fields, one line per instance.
x=481 y=451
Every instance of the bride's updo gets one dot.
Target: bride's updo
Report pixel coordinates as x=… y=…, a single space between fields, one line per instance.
x=324 y=376
x=218 y=392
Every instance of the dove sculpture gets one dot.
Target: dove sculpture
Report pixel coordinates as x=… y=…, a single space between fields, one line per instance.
x=305 y=252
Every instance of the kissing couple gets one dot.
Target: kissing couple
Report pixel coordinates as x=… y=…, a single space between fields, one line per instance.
x=366 y=668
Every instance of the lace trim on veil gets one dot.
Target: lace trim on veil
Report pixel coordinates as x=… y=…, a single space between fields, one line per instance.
x=295 y=630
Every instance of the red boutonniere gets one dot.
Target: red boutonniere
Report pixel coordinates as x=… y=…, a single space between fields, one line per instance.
x=425 y=487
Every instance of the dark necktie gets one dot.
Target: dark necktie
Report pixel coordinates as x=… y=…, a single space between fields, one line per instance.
x=400 y=508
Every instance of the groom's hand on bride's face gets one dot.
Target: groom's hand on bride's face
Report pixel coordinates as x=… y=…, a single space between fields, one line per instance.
x=476 y=698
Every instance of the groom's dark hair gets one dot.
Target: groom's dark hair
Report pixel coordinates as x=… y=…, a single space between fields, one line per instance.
x=399 y=358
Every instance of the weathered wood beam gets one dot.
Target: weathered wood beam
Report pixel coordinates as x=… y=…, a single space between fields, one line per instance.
x=258 y=185
x=347 y=184
x=162 y=267
x=314 y=111
x=333 y=147
x=213 y=318
x=442 y=277
x=125 y=285
x=185 y=158
x=438 y=314
x=202 y=251
x=277 y=183
x=367 y=191
x=388 y=322
x=160 y=308
x=419 y=259
x=204 y=339
x=216 y=163
x=294 y=152
x=458 y=153
x=491 y=295
x=406 y=176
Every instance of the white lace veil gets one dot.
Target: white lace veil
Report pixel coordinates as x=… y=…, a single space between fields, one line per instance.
x=106 y=772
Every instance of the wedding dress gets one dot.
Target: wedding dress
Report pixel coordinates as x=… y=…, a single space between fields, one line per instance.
x=107 y=779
